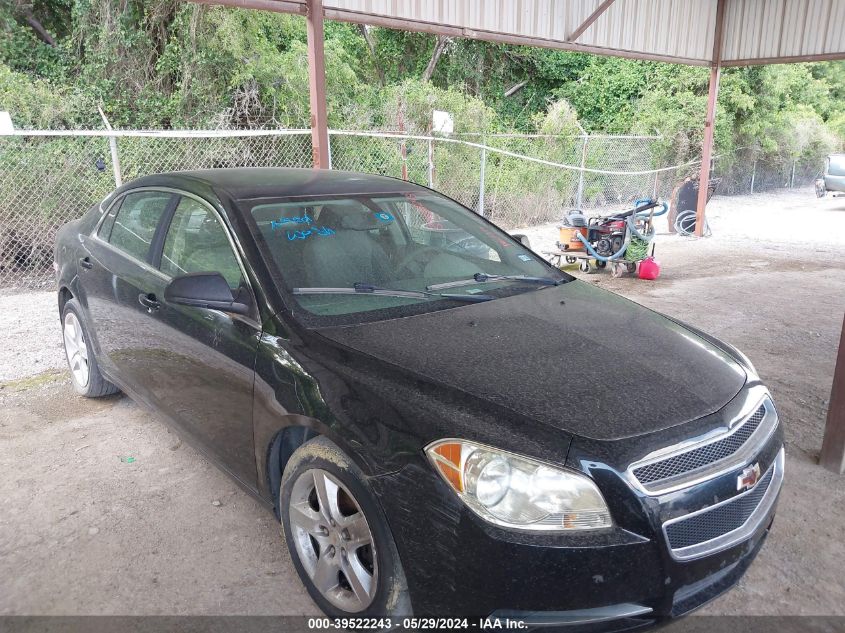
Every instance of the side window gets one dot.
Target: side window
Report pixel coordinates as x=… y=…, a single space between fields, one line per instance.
x=196 y=242
x=108 y=222
x=136 y=221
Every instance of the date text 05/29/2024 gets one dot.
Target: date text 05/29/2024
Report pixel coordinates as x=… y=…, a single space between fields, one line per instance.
x=416 y=624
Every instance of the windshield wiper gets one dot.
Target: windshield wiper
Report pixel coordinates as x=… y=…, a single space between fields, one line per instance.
x=480 y=278
x=369 y=289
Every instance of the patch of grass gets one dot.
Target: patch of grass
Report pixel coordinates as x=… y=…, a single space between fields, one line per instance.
x=31 y=382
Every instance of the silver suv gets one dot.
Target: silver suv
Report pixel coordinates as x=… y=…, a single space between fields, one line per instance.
x=834 y=174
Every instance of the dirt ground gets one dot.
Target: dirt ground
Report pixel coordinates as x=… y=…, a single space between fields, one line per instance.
x=105 y=511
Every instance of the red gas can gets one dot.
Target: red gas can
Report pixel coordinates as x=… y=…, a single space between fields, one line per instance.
x=649 y=268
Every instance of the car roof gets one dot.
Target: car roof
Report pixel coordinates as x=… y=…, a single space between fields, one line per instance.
x=269 y=182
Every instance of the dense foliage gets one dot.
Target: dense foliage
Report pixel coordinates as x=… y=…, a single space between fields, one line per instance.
x=163 y=63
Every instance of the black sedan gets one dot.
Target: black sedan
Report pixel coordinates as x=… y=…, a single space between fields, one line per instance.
x=445 y=424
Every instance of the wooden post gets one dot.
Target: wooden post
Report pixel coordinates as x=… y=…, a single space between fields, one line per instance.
x=317 y=85
x=707 y=151
x=832 y=455
x=710 y=120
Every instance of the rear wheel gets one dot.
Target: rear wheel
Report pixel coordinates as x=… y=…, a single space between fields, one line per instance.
x=84 y=371
x=338 y=537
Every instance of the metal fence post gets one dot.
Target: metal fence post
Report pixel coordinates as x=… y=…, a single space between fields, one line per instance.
x=329 y=147
x=115 y=161
x=579 y=196
x=430 y=164
x=481 y=181
x=792 y=180
x=753 y=176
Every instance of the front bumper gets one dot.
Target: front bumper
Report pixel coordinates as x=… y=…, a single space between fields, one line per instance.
x=457 y=564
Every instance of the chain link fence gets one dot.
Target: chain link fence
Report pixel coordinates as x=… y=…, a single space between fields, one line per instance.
x=50 y=178
x=740 y=177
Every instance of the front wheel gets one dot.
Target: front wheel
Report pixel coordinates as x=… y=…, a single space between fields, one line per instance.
x=338 y=536
x=84 y=370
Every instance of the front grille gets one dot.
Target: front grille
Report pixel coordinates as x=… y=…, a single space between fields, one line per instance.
x=720 y=520
x=702 y=456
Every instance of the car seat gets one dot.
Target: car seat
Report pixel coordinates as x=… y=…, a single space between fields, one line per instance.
x=350 y=255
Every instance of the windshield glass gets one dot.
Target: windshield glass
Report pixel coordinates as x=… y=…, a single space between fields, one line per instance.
x=338 y=257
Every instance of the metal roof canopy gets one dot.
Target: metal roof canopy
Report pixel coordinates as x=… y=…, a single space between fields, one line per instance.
x=680 y=31
x=712 y=33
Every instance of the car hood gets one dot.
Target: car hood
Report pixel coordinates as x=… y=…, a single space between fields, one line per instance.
x=575 y=357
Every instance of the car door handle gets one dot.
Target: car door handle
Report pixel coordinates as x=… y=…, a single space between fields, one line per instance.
x=85 y=262
x=148 y=300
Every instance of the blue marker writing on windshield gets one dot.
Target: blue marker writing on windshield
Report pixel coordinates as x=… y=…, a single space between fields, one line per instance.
x=322 y=231
x=276 y=224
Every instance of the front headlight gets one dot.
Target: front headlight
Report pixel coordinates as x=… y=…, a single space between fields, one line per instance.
x=518 y=492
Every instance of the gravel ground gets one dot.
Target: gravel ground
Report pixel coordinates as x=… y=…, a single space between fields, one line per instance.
x=31 y=322
x=145 y=536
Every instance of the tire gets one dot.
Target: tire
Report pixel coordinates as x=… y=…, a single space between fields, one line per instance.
x=601 y=264
x=314 y=537
x=585 y=267
x=631 y=267
x=84 y=371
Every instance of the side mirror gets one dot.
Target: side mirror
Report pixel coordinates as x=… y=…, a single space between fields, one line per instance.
x=203 y=290
x=522 y=238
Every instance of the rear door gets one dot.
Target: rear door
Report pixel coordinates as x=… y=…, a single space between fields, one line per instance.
x=204 y=359
x=118 y=284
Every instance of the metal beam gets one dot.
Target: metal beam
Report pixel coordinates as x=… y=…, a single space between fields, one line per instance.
x=832 y=456
x=794 y=59
x=277 y=6
x=710 y=119
x=604 y=6
x=317 y=85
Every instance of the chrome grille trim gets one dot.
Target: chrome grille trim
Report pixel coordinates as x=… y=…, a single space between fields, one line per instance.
x=687 y=463
x=774 y=479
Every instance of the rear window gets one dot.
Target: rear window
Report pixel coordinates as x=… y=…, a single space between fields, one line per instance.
x=836 y=165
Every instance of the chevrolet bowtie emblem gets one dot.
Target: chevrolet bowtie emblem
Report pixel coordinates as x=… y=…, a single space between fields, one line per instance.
x=749 y=477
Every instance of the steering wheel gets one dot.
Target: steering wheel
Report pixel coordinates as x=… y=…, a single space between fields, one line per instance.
x=412 y=256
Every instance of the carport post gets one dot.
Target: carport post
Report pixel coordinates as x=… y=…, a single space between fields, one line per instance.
x=832 y=456
x=710 y=119
x=115 y=160
x=317 y=85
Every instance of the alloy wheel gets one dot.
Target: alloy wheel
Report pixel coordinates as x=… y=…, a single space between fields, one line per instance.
x=76 y=349
x=333 y=540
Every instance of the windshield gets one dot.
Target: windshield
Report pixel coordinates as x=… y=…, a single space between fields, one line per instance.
x=339 y=258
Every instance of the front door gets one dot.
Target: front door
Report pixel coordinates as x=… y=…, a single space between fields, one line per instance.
x=204 y=372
